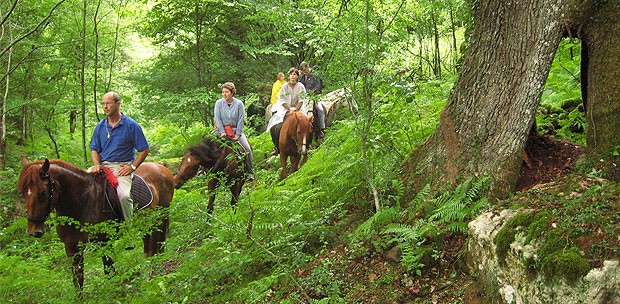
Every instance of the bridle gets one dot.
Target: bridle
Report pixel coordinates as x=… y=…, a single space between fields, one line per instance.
x=50 y=191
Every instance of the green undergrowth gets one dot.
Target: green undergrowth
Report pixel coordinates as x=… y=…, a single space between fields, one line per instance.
x=418 y=227
x=251 y=253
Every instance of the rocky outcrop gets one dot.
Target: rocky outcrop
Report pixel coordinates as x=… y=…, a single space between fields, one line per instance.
x=517 y=284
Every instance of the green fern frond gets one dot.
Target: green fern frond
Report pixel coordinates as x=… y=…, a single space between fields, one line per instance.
x=382 y=218
x=421 y=196
x=412 y=256
x=456 y=227
x=403 y=232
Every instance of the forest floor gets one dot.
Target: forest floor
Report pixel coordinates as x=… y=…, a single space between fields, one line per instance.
x=374 y=279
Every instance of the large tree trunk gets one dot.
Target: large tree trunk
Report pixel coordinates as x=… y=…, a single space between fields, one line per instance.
x=484 y=125
x=601 y=37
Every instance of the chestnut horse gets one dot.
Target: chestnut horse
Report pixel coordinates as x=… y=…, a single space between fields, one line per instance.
x=219 y=160
x=294 y=140
x=331 y=103
x=74 y=193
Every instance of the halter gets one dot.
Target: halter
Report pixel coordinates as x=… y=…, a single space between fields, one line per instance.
x=294 y=138
x=50 y=190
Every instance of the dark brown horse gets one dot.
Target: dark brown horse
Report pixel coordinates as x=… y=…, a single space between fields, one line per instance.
x=79 y=195
x=219 y=161
x=293 y=142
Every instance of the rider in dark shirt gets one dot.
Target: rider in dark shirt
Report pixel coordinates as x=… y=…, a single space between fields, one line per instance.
x=314 y=86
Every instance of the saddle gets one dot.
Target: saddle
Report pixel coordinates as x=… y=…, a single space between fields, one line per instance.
x=236 y=147
x=140 y=192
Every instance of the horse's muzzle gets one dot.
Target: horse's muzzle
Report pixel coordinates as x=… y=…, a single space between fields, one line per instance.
x=36 y=231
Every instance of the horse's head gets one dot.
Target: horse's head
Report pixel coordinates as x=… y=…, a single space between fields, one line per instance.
x=41 y=192
x=187 y=169
x=301 y=128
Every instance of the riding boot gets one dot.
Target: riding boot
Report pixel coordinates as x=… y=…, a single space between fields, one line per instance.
x=249 y=171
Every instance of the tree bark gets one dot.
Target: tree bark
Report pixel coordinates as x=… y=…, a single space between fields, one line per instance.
x=601 y=37
x=484 y=126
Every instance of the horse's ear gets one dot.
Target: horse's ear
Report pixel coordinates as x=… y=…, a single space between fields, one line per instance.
x=25 y=160
x=45 y=168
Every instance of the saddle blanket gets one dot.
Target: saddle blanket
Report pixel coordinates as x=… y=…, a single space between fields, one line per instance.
x=140 y=193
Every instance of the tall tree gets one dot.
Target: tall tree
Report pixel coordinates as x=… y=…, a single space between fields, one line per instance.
x=600 y=37
x=484 y=125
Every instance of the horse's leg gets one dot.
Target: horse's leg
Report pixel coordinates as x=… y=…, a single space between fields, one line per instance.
x=211 y=188
x=154 y=241
x=108 y=264
x=283 y=157
x=77 y=267
x=294 y=163
x=235 y=190
x=74 y=249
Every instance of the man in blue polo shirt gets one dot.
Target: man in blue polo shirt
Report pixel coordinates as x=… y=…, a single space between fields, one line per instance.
x=113 y=145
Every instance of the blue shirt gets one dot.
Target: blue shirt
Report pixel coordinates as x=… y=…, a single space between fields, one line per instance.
x=229 y=115
x=118 y=144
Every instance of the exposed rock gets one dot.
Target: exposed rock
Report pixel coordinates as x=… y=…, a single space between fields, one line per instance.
x=517 y=284
x=394 y=255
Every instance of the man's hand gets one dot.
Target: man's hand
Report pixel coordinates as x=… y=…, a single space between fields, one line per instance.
x=95 y=168
x=125 y=170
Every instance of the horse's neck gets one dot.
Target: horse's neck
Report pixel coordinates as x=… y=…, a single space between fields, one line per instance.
x=78 y=191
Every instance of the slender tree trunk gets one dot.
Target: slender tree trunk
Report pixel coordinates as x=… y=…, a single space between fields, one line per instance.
x=198 y=23
x=436 y=53
x=83 y=81
x=114 y=48
x=367 y=114
x=485 y=123
x=601 y=39
x=455 y=48
x=4 y=97
x=96 y=60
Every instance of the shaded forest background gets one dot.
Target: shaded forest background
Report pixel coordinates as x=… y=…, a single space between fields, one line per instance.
x=289 y=241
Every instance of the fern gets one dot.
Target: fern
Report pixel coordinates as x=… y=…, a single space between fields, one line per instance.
x=412 y=256
x=403 y=233
x=459 y=205
x=380 y=219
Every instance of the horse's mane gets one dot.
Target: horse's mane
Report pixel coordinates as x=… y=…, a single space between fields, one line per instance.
x=66 y=165
x=30 y=176
x=207 y=147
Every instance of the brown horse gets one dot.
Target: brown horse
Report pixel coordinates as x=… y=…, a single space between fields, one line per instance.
x=219 y=160
x=82 y=196
x=294 y=140
x=331 y=103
